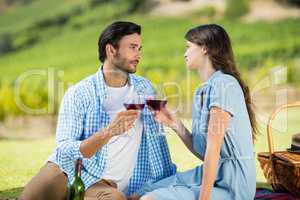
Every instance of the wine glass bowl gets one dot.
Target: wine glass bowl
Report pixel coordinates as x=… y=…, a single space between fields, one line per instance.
x=134 y=106
x=156 y=104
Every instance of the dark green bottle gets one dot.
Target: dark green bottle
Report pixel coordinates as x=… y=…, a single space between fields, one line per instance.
x=76 y=189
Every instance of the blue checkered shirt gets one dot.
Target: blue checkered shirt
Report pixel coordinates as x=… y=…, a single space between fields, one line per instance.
x=82 y=115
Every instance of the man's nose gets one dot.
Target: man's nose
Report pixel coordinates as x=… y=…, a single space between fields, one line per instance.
x=139 y=55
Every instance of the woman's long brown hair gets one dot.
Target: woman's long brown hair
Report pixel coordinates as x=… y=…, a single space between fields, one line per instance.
x=218 y=45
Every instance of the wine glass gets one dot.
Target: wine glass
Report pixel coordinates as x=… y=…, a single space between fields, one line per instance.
x=135 y=102
x=157 y=103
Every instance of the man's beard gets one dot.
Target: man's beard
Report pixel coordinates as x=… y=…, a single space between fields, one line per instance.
x=122 y=64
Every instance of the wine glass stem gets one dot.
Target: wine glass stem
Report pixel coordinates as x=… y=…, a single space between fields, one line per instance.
x=161 y=129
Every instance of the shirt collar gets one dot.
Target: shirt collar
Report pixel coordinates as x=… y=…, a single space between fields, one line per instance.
x=101 y=85
x=213 y=76
x=205 y=84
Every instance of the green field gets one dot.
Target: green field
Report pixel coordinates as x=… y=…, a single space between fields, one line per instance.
x=68 y=49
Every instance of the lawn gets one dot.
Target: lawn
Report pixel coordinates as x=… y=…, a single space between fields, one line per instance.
x=21 y=159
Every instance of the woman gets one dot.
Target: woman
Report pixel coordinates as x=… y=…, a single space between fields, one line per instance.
x=223 y=130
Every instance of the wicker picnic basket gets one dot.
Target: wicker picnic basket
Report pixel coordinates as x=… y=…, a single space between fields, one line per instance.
x=281 y=168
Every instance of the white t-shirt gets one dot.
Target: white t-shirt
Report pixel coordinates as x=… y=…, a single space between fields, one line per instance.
x=122 y=149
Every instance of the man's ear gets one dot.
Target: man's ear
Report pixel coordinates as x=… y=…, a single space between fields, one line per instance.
x=110 y=50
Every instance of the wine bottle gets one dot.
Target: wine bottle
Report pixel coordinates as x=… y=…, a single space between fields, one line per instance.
x=77 y=189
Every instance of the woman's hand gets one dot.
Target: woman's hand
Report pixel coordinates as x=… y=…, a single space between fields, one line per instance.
x=169 y=119
x=165 y=116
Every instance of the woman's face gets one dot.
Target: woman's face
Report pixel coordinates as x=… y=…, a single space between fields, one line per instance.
x=194 y=56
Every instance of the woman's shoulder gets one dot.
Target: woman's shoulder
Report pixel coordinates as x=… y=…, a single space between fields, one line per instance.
x=224 y=80
x=225 y=85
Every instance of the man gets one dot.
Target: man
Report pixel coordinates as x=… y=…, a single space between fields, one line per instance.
x=121 y=149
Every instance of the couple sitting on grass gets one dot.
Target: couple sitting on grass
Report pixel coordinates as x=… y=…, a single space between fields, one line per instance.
x=124 y=156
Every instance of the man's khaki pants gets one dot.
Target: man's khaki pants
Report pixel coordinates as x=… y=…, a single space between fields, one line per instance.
x=51 y=184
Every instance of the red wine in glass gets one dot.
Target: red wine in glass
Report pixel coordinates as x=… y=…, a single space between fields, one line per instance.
x=134 y=106
x=156 y=104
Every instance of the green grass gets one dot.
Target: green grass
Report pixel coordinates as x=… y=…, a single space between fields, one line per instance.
x=21 y=159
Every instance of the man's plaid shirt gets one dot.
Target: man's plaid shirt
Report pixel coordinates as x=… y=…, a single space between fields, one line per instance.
x=82 y=114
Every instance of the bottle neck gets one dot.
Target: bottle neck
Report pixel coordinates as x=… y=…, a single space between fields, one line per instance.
x=78 y=167
x=78 y=174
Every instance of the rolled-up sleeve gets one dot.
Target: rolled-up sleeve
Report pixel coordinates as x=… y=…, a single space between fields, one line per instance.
x=70 y=125
x=224 y=94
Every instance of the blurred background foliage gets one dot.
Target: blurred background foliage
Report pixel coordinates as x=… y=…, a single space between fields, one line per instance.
x=62 y=35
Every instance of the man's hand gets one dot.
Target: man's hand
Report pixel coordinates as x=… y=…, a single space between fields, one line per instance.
x=122 y=123
x=133 y=197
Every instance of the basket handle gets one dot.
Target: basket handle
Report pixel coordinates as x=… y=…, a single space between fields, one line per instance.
x=271 y=119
